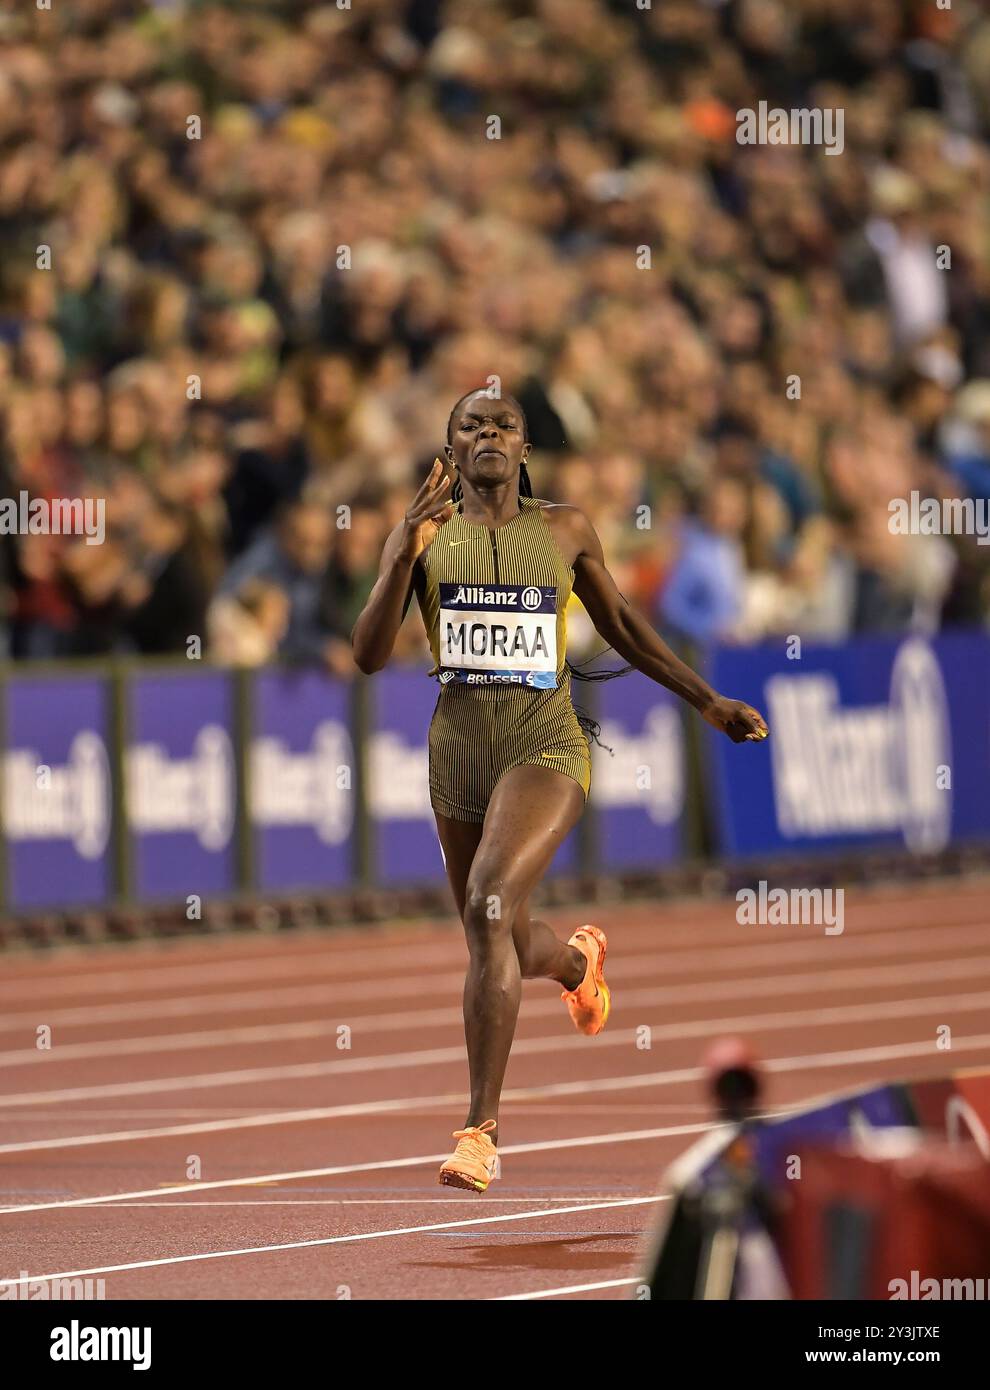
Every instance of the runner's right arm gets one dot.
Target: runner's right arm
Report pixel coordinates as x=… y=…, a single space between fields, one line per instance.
x=375 y=631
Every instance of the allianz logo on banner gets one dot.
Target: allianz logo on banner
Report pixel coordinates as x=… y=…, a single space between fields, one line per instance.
x=398 y=778
x=70 y=802
x=194 y=794
x=647 y=770
x=311 y=788
x=868 y=768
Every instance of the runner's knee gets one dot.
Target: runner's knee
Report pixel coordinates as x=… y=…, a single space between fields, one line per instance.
x=489 y=908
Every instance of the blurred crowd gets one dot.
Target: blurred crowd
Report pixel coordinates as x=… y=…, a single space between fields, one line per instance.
x=252 y=253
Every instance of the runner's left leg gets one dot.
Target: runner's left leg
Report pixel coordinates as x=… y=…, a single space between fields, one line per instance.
x=542 y=954
x=531 y=811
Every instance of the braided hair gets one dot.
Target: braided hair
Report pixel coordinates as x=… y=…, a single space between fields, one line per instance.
x=590 y=726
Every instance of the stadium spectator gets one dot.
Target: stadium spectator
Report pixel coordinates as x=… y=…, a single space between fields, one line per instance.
x=702 y=599
x=292 y=556
x=253 y=254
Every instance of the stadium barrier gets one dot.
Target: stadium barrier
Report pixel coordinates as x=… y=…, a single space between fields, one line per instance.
x=880 y=742
x=142 y=783
x=145 y=783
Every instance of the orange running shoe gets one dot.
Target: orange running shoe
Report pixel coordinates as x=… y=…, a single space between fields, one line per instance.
x=472 y=1164
x=590 y=1004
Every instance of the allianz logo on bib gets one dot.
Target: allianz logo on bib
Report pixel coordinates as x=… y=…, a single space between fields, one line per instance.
x=530 y=598
x=869 y=768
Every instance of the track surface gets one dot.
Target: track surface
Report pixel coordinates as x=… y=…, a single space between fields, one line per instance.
x=317 y=1161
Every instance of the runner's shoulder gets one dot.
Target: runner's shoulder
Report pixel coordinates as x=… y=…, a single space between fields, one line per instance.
x=565 y=519
x=566 y=512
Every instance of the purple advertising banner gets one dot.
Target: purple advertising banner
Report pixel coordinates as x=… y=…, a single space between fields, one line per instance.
x=180 y=788
x=404 y=830
x=301 y=781
x=408 y=850
x=882 y=741
x=638 y=790
x=57 y=794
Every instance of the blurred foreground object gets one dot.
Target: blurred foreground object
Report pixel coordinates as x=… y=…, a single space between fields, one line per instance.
x=864 y=1195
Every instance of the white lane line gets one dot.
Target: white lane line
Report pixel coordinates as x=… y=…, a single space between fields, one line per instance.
x=401 y=947
x=327 y=956
x=632 y=967
x=813 y=1062
x=734 y=954
x=276 y=997
x=582 y=1141
x=351 y=947
x=398 y=945
x=441 y=1101
x=867 y=1012
x=339 y=1240
x=208 y=1114
x=399 y=1105
x=571 y=1288
x=465 y=1199
x=452 y=1016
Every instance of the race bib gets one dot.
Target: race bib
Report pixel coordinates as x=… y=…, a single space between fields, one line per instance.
x=504 y=634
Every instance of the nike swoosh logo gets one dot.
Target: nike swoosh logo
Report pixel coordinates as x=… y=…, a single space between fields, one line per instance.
x=464 y=542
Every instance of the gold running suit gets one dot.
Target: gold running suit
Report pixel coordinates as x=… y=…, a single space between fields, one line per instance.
x=494 y=606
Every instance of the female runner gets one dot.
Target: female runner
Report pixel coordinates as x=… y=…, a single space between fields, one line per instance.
x=510 y=766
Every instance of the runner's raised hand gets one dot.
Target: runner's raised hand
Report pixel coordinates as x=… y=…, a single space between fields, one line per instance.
x=429 y=509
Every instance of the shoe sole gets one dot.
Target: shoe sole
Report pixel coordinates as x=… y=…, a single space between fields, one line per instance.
x=607 y=995
x=598 y=936
x=448 y=1178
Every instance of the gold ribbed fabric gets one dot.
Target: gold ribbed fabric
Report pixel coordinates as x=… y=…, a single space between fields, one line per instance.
x=481 y=731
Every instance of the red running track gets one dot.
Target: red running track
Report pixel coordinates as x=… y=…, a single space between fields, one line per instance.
x=263 y=1117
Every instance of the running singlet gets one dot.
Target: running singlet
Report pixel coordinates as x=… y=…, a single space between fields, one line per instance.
x=494 y=605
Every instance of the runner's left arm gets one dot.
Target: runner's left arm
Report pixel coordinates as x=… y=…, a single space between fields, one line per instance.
x=635 y=640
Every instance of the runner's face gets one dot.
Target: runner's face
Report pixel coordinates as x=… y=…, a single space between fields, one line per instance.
x=488 y=441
